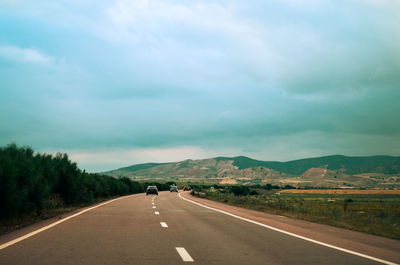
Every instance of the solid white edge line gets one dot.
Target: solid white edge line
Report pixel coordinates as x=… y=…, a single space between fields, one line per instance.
x=294 y=235
x=164 y=224
x=14 y=241
x=184 y=254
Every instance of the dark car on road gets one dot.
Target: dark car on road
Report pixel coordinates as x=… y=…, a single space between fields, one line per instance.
x=187 y=188
x=173 y=188
x=151 y=190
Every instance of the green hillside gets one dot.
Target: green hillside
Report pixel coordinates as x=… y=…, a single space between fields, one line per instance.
x=141 y=166
x=351 y=165
x=329 y=171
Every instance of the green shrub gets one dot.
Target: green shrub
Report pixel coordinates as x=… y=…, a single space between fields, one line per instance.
x=240 y=190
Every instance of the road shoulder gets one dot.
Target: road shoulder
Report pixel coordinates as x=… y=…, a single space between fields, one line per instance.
x=44 y=223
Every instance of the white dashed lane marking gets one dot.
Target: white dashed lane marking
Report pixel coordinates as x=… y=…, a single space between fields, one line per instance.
x=157 y=213
x=164 y=224
x=184 y=254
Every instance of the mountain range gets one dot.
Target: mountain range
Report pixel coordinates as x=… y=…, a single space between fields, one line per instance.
x=336 y=171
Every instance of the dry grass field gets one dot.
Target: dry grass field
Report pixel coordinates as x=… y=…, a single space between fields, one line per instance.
x=343 y=191
x=371 y=211
x=228 y=182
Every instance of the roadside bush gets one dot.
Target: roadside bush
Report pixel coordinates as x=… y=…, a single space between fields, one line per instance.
x=253 y=192
x=240 y=190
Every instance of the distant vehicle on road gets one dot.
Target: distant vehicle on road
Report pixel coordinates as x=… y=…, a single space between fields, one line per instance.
x=151 y=190
x=173 y=188
x=187 y=188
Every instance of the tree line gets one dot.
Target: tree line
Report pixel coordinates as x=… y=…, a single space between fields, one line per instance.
x=31 y=182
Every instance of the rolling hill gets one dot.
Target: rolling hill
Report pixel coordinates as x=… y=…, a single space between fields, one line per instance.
x=328 y=171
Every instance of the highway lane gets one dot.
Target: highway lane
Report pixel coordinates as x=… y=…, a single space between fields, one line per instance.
x=214 y=238
x=128 y=231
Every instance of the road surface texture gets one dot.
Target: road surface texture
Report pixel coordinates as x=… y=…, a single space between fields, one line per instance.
x=129 y=231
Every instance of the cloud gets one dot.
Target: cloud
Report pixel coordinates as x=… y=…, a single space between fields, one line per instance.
x=346 y=53
x=307 y=56
x=147 y=18
x=263 y=78
x=10 y=2
x=27 y=55
x=108 y=159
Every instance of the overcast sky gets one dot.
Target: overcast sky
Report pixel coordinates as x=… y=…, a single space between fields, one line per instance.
x=114 y=83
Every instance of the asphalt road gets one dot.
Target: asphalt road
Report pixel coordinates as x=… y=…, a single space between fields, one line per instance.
x=128 y=231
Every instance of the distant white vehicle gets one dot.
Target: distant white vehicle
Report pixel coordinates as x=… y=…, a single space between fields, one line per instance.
x=152 y=190
x=173 y=188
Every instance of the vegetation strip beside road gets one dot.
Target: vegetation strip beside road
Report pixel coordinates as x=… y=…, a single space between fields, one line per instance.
x=35 y=186
x=377 y=214
x=343 y=191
